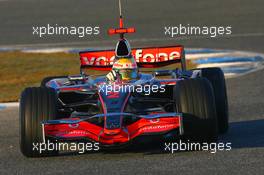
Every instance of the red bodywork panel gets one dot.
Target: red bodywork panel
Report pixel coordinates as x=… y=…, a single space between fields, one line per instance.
x=145 y=57
x=121 y=31
x=99 y=134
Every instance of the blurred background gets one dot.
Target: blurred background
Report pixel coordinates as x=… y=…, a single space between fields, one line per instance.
x=149 y=17
x=21 y=66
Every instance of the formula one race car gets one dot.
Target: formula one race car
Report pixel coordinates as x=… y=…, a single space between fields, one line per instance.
x=120 y=107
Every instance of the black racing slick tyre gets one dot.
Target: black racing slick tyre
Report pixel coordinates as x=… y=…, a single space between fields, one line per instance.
x=217 y=79
x=36 y=105
x=47 y=79
x=194 y=98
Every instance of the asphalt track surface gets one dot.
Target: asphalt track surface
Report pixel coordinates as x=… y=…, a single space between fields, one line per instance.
x=245 y=93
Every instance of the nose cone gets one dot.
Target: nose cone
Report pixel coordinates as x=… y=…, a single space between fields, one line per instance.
x=123 y=49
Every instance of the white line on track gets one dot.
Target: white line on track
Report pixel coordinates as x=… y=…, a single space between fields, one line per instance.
x=229 y=53
x=51 y=50
x=11 y=104
x=204 y=55
x=8 y=105
x=19 y=46
x=234 y=64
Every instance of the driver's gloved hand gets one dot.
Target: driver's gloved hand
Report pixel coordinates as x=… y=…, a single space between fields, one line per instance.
x=111 y=76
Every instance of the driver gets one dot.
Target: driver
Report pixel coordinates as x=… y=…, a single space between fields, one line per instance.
x=124 y=69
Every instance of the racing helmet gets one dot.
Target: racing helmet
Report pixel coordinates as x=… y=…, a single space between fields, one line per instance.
x=126 y=68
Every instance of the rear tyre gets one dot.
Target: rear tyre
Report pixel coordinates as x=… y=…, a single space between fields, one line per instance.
x=194 y=98
x=217 y=79
x=36 y=105
x=47 y=79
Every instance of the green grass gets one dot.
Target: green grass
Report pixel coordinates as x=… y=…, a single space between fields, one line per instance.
x=19 y=70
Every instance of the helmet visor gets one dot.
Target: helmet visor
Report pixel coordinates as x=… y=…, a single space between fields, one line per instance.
x=128 y=74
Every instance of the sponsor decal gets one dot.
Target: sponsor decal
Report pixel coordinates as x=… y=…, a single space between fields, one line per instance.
x=157 y=127
x=118 y=65
x=147 y=55
x=78 y=133
x=75 y=132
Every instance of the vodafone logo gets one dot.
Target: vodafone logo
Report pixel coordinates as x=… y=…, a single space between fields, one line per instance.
x=141 y=56
x=97 y=61
x=148 y=55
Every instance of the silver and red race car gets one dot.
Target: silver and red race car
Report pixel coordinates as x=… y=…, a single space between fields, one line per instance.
x=177 y=103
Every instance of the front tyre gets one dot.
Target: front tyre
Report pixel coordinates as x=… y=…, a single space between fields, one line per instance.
x=217 y=79
x=194 y=98
x=36 y=105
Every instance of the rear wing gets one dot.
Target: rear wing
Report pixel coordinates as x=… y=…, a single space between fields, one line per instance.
x=151 y=57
